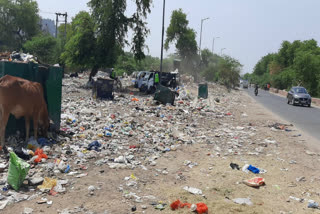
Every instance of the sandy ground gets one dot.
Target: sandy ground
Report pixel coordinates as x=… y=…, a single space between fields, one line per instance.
x=285 y=161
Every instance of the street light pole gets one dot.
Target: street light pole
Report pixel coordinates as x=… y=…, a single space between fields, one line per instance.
x=164 y=6
x=221 y=51
x=201 y=35
x=213 y=43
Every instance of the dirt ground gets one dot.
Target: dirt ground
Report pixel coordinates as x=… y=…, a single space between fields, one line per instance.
x=285 y=161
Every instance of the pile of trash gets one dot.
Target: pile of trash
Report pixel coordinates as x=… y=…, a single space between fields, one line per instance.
x=129 y=132
x=17 y=57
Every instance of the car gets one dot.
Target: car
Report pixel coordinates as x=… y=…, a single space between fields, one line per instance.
x=139 y=79
x=245 y=84
x=298 y=95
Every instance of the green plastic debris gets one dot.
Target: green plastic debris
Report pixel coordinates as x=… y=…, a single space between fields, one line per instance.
x=18 y=170
x=160 y=207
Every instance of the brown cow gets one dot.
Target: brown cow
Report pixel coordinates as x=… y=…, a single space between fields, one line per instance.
x=22 y=98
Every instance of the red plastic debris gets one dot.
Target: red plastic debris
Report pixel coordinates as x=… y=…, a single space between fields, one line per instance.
x=202 y=208
x=40 y=154
x=228 y=114
x=132 y=147
x=175 y=205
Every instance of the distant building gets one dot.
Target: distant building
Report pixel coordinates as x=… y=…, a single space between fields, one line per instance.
x=48 y=26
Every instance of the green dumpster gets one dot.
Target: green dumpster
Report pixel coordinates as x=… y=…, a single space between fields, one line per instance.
x=164 y=95
x=203 y=90
x=51 y=81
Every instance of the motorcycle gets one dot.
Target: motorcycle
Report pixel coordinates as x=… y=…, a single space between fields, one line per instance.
x=256 y=91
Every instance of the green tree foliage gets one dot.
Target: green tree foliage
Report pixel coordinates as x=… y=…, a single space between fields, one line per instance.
x=229 y=71
x=296 y=63
x=19 y=22
x=185 y=37
x=112 y=25
x=263 y=65
x=61 y=32
x=44 y=47
x=126 y=63
x=80 y=48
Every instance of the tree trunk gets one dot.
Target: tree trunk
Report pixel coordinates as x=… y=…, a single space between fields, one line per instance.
x=93 y=72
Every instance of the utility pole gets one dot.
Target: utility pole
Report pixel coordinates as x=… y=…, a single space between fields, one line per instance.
x=222 y=50
x=213 y=43
x=57 y=25
x=65 y=22
x=164 y=9
x=65 y=26
x=201 y=35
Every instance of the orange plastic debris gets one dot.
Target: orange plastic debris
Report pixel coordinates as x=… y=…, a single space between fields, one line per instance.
x=40 y=154
x=134 y=99
x=175 y=205
x=202 y=208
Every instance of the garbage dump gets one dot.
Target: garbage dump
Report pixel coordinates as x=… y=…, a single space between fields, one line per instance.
x=135 y=154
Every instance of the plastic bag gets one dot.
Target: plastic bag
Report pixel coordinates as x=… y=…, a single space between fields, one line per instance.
x=48 y=184
x=18 y=170
x=40 y=154
x=200 y=208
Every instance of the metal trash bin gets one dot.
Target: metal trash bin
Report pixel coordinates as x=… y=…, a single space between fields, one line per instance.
x=203 y=90
x=103 y=89
x=164 y=95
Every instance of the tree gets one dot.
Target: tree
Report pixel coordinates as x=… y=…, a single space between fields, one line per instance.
x=179 y=32
x=112 y=26
x=307 y=69
x=206 y=56
x=19 y=22
x=229 y=71
x=184 y=38
x=44 y=47
x=80 y=48
x=61 y=30
x=263 y=65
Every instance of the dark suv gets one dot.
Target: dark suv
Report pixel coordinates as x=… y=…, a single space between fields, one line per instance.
x=298 y=95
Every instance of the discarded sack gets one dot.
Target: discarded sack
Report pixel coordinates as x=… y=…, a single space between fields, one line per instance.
x=18 y=170
x=254 y=182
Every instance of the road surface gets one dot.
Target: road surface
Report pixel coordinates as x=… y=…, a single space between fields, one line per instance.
x=305 y=118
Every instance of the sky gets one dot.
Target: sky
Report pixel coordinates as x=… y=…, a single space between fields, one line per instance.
x=248 y=29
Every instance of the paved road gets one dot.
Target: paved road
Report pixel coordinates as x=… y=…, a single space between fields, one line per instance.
x=305 y=118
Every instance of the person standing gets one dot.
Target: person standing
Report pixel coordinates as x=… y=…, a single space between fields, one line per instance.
x=156 y=79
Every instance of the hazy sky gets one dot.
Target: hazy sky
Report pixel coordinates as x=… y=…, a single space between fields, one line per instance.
x=248 y=29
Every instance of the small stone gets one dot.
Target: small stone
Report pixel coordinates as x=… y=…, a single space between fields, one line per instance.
x=300 y=179
x=27 y=210
x=153 y=163
x=91 y=188
x=36 y=181
x=144 y=207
